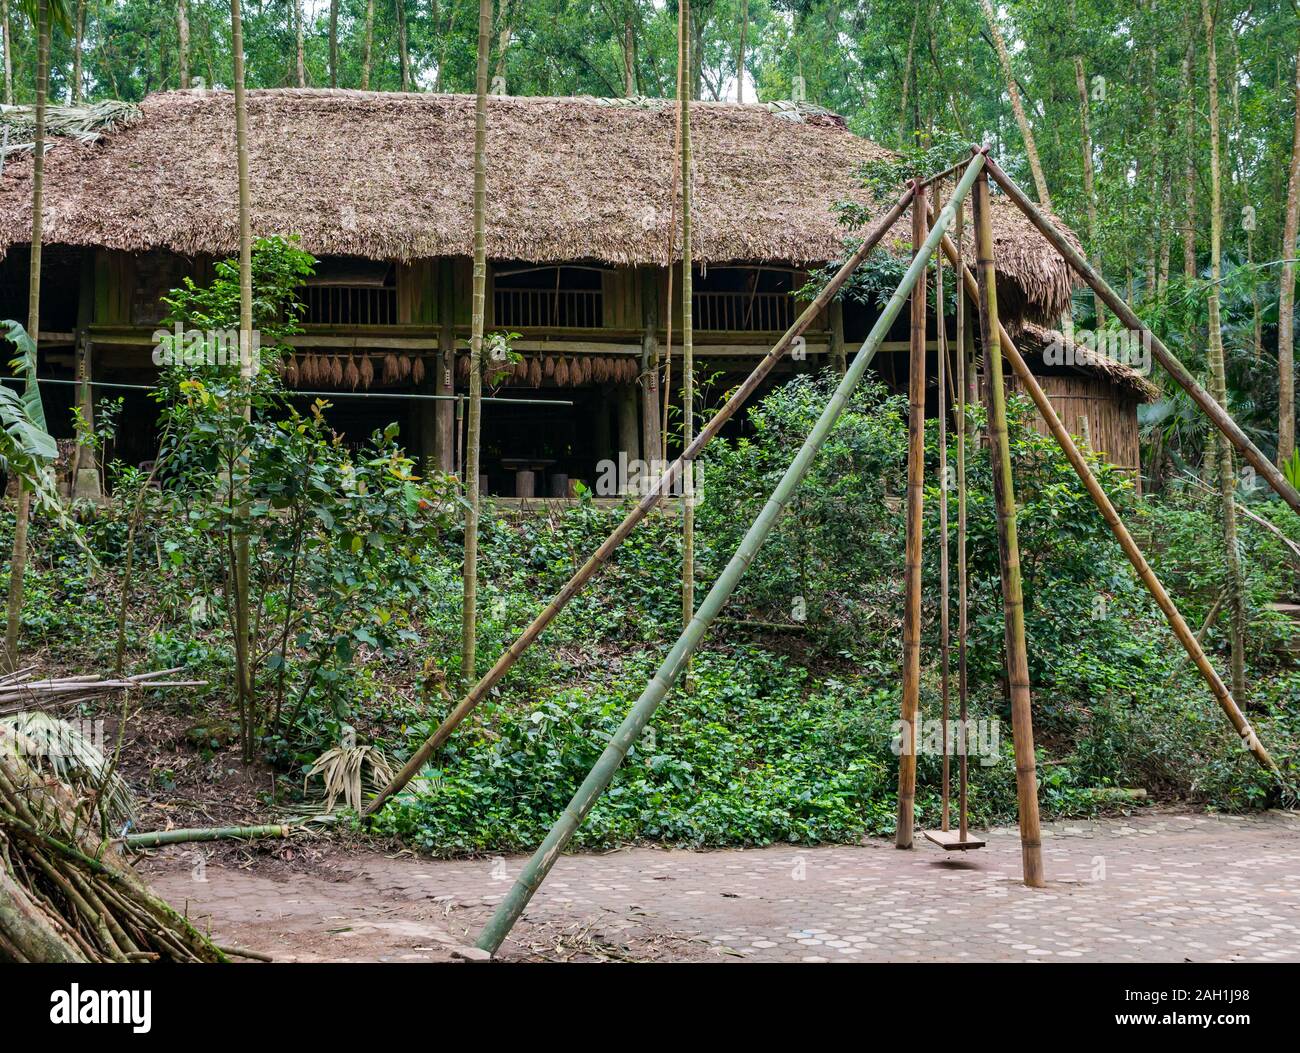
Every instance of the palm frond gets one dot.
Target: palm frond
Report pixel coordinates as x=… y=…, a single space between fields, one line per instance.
x=63 y=749
x=83 y=124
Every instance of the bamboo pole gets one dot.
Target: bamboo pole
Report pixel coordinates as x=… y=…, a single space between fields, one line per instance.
x=945 y=628
x=1185 y=635
x=535 y=871
x=914 y=538
x=155 y=838
x=963 y=595
x=651 y=500
x=688 y=327
x=1219 y=416
x=1022 y=727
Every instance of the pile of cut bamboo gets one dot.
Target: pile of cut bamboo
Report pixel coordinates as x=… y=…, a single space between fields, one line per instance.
x=19 y=690
x=66 y=892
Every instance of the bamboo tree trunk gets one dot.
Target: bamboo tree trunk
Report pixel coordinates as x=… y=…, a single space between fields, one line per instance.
x=334 y=43
x=403 y=47
x=23 y=512
x=370 y=45
x=963 y=593
x=1218 y=379
x=688 y=338
x=941 y=335
x=183 y=43
x=1089 y=177
x=908 y=66
x=469 y=622
x=78 y=42
x=506 y=18
x=1013 y=606
x=297 y=29
x=629 y=49
x=913 y=546
x=6 y=39
x=740 y=51
x=1189 y=157
x=1017 y=107
x=242 y=568
x=1286 y=296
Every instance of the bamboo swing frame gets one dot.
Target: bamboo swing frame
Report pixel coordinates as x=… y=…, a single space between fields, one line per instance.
x=931 y=231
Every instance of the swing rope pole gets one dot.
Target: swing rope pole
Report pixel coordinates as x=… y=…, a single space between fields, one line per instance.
x=1184 y=634
x=945 y=628
x=914 y=537
x=535 y=871
x=1013 y=604
x=1219 y=416
x=651 y=500
x=963 y=597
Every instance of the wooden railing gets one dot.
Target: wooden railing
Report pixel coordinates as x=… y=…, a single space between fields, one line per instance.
x=743 y=311
x=350 y=305
x=568 y=308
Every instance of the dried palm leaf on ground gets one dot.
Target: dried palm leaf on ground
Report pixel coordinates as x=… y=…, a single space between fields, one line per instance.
x=341 y=768
x=66 y=893
x=63 y=749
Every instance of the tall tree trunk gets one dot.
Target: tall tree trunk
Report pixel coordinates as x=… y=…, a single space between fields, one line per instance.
x=297 y=30
x=688 y=334
x=629 y=50
x=1218 y=376
x=6 y=39
x=1286 y=296
x=183 y=43
x=18 y=563
x=469 y=612
x=507 y=17
x=1189 y=156
x=1089 y=178
x=242 y=568
x=908 y=66
x=370 y=45
x=1017 y=107
x=78 y=42
x=740 y=51
x=334 y=43
x=403 y=51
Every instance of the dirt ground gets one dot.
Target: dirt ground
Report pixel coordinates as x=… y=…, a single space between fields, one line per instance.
x=1151 y=887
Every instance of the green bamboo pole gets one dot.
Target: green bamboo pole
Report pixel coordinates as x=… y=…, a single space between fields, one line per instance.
x=911 y=694
x=629 y=731
x=1219 y=416
x=648 y=503
x=1013 y=604
x=155 y=838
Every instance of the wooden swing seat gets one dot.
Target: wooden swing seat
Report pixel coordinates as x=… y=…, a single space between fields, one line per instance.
x=950 y=840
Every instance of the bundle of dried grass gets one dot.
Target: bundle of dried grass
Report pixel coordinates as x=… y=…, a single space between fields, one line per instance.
x=548 y=367
x=562 y=373
x=417 y=370
x=66 y=892
x=391 y=368
x=535 y=373
x=341 y=768
x=352 y=373
x=367 y=369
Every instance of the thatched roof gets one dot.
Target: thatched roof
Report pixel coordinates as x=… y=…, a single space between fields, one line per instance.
x=390 y=176
x=1033 y=340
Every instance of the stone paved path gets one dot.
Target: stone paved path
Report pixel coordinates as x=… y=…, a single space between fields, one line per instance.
x=1152 y=888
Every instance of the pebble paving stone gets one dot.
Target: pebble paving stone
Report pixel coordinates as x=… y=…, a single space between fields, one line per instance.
x=1148 y=888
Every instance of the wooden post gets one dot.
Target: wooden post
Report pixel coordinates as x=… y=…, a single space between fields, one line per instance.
x=1022 y=726
x=835 y=318
x=629 y=430
x=651 y=500
x=85 y=475
x=915 y=529
x=652 y=443
x=444 y=381
x=1219 y=416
